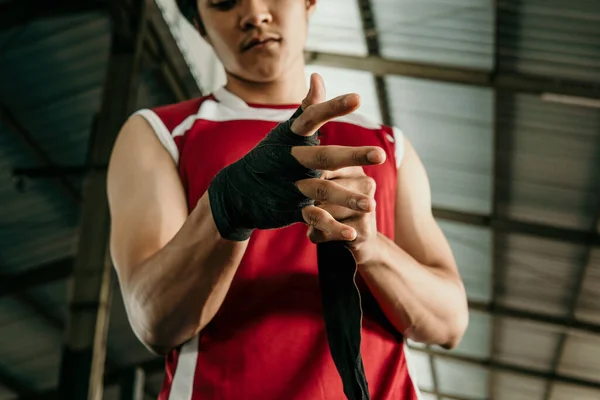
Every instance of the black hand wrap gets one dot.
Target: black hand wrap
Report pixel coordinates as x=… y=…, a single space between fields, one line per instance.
x=342 y=311
x=259 y=191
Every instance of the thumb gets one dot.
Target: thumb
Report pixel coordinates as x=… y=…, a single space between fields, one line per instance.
x=316 y=92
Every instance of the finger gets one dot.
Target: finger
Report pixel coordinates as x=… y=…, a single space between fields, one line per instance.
x=334 y=193
x=316 y=92
x=358 y=184
x=317 y=114
x=340 y=213
x=335 y=157
x=348 y=172
x=324 y=222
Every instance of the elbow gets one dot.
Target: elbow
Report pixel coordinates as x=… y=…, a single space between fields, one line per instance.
x=455 y=329
x=161 y=333
x=150 y=328
x=153 y=339
x=445 y=332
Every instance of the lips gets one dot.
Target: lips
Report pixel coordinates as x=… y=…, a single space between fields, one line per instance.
x=257 y=40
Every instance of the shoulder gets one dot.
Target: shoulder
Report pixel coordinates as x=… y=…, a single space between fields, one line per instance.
x=166 y=120
x=171 y=115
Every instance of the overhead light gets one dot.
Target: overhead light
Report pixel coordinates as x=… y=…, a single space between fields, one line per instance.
x=571 y=100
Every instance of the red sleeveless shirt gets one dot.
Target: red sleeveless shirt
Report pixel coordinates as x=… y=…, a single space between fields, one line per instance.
x=268 y=339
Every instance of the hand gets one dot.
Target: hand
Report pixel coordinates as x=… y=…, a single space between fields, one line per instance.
x=259 y=191
x=344 y=189
x=363 y=223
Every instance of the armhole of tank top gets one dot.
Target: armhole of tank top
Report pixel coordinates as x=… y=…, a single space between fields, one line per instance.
x=412 y=373
x=161 y=132
x=399 y=146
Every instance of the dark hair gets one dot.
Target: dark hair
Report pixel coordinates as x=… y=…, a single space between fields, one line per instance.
x=189 y=9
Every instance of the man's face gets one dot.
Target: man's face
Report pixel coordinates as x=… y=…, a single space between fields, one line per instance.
x=256 y=40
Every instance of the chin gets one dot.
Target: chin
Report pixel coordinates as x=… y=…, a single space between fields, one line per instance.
x=262 y=69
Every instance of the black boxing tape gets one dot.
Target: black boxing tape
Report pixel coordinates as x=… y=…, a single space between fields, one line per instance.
x=259 y=191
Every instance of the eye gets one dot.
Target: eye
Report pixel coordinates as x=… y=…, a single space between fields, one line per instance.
x=223 y=5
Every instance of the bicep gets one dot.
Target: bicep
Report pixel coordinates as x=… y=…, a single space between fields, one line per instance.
x=417 y=231
x=146 y=198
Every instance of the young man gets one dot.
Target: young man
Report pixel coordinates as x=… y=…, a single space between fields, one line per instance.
x=237 y=309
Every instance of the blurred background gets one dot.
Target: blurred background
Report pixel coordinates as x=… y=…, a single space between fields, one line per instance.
x=500 y=98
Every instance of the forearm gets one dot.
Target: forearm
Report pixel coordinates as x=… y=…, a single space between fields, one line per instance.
x=177 y=291
x=424 y=302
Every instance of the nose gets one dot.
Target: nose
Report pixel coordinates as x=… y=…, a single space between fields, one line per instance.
x=254 y=14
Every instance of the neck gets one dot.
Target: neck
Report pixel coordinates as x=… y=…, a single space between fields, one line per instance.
x=290 y=88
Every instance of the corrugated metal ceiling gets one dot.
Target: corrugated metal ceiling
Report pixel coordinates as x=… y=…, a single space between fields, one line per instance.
x=456 y=32
x=52 y=77
x=553 y=38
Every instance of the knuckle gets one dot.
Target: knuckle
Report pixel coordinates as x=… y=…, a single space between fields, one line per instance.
x=310 y=218
x=335 y=106
x=305 y=104
x=351 y=202
x=306 y=120
x=369 y=185
x=322 y=159
x=322 y=191
x=357 y=157
x=360 y=237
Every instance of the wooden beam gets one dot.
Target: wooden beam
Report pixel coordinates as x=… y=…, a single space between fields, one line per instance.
x=513 y=368
x=444 y=396
x=174 y=66
x=524 y=315
x=84 y=351
x=499 y=195
x=14 y=383
x=21 y=133
x=576 y=291
x=132 y=384
x=460 y=75
x=514 y=226
x=37 y=276
x=16 y=13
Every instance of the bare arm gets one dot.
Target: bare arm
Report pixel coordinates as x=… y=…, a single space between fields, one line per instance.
x=174 y=269
x=415 y=279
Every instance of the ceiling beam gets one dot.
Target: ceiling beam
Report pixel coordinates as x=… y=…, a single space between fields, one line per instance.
x=466 y=76
x=89 y=299
x=16 y=13
x=371 y=36
x=165 y=50
x=576 y=291
x=494 y=365
x=38 y=276
x=514 y=226
x=519 y=314
x=444 y=396
x=132 y=384
x=499 y=196
x=40 y=155
x=13 y=383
